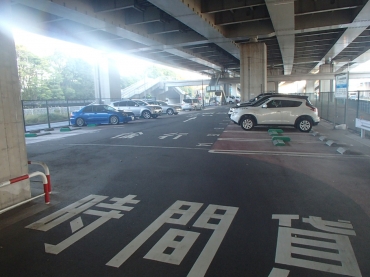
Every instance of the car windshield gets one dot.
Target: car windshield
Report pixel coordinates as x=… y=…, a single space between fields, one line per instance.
x=110 y=108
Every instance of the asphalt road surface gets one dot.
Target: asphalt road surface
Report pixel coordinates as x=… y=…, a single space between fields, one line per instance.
x=190 y=195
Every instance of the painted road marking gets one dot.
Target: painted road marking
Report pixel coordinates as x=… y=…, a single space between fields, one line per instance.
x=139 y=146
x=277 y=272
x=213 y=135
x=219 y=128
x=216 y=218
x=128 y=135
x=191 y=118
x=181 y=248
x=243 y=139
x=293 y=154
x=327 y=252
x=174 y=135
x=205 y=144
x=78 y=229
x=59 y=135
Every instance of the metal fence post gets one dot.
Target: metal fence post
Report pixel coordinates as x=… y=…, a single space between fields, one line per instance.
x=358 y=104
x=24 y=119
x=47 y=112
x=68 y=114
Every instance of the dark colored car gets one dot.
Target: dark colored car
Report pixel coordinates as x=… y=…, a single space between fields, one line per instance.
x=98 y=114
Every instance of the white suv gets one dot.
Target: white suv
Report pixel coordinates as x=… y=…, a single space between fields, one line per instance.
x=281 y=111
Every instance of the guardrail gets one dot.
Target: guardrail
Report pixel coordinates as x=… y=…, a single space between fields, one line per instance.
x=25 y=177
x=47 y=173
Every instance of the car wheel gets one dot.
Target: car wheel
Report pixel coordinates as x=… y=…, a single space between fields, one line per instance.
x=114 y=120
x=304 y=124
x=154 y=115
x=146 y=114
x=170 y=112
x=247 y=123
x=80 y=122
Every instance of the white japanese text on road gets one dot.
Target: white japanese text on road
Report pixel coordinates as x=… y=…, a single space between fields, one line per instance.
x=217 y=218
x=77 y=227
x=332 y=250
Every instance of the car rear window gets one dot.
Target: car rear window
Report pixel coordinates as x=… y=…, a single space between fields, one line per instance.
x=290 y=103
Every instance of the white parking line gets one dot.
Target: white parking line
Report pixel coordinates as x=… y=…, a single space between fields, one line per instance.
x=292 y=154
x=137 y=146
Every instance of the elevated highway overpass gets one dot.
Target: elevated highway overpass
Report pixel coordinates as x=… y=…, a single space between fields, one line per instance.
x=250 y=40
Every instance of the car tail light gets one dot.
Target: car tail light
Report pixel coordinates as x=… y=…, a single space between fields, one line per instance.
x=312 y=108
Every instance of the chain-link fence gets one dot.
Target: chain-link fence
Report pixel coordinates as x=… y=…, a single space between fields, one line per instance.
x=343 y=111
x=50 y=113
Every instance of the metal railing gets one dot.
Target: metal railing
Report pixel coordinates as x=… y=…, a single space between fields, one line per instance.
x=25 y=177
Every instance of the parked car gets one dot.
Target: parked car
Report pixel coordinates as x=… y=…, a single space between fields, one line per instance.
x=214 y=101
x=169 y=109
x=262 y=97
x=230 y=99
x=139 y=108
x=98 y=114
x=289 y=111
x=191 y=104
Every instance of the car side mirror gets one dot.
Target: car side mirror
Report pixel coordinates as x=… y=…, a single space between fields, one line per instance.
x=136 y=105
x=264 y=106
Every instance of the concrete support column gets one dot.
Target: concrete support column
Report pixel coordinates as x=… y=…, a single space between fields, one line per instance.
x=253 y=69
x=107 y=81
x=276 y=87
x=234 y=89
x=310 y=86
x=326 y=85
x=13 y=155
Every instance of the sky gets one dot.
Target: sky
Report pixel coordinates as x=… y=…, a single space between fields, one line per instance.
x=127 y=65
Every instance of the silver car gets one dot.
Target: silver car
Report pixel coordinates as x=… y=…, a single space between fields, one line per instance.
x=139 y=108
x=169 y=109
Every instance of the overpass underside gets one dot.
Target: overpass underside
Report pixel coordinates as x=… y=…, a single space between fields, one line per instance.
x=250 y=40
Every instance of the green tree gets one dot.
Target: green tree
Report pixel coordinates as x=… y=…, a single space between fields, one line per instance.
x=33 y=73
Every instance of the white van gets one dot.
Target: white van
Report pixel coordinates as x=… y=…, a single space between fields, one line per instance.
x=191 y=104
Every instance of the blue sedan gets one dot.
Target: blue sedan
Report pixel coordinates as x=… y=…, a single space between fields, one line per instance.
x=98 y=114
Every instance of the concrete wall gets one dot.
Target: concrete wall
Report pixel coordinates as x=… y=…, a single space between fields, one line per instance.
x=13 y=155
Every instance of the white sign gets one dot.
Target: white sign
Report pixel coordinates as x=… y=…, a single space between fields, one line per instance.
x=363 y=124
x=341 y=85
x=332 y=250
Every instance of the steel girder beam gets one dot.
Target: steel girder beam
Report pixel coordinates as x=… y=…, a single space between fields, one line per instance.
x=245 y=15
x=281 y=25
x=115 y=5
x=359 y=25
x=189 y=13
x=211 y=6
